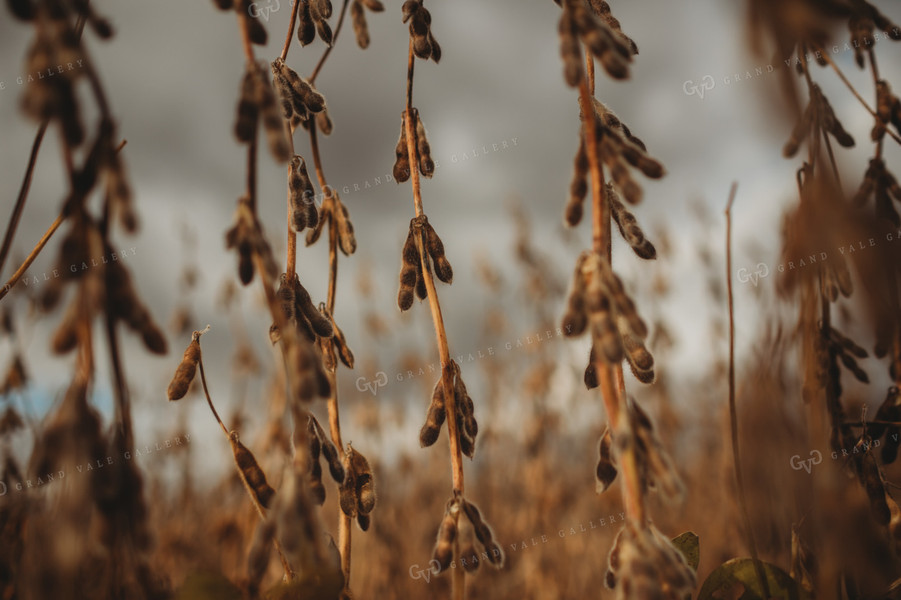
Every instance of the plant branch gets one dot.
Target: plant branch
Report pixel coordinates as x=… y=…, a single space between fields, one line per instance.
x=32 y=256
x=609 y=376
x=328 y=50
x=261 y=511
x=291 y=24
x=447 y=370
x=857 y=95
x=23 y=194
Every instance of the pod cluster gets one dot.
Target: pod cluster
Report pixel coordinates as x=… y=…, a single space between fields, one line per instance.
x=463 y=524
x=599 y=302
x=358 y=18
x=618 y=149
x=423 y=154
x=299 y=99
x=643 y=563
x=807 y=231
x=817 y=116
x=880 y=184
x=628 y=227
x=247 y=239
x=358 y=490
x=421 y=238
x=299 y=310
x=111 y=288
x=334 y=347
x=303 y=209
x=333 y=212
x=256 y=102
x=848 y=353
x=467 y=426
x=313 y=18
x=319 y=445
x=308 y=378
x=655 y=468
x=251 y=474
x=54 y=98
x=864 y=19
x=425 y=46
x=888 y=110
x=601 y=35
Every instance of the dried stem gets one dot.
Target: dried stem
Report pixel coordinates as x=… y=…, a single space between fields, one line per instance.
x=733 y=413
x=344 y=521
x=447 y=373
x=29 y=173
x=328 y=50
x=23 y=194
x=854 y=91
x=294 y=7
x=610 y=377
x=289 y=571
x=32 y=256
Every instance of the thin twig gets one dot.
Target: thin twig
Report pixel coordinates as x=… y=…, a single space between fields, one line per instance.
x=733 y=413
x=23 y=194
x=856 y=93
x=29 y=172
x=32 y=256
x=328 y=50
x=294 y=7
x=261 y=511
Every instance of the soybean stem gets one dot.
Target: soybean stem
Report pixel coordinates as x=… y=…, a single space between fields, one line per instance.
x=610 y=377
x=328 y=50
x=733 y=413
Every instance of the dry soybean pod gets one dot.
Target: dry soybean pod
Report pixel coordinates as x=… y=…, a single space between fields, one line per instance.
x=186 y=370
x=251 y=474
x=428 y=435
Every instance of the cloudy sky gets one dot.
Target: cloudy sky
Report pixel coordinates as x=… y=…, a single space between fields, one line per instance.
x=702 y=103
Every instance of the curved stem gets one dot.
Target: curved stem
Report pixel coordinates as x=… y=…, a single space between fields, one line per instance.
x=328 y=50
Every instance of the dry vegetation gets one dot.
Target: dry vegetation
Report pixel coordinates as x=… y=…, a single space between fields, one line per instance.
x=82 y=517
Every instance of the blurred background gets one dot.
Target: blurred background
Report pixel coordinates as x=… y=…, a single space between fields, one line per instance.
x=503 y=128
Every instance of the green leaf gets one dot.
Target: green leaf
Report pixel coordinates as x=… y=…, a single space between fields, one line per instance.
x=739 y=576
x=689 y=545
x=208 y=586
